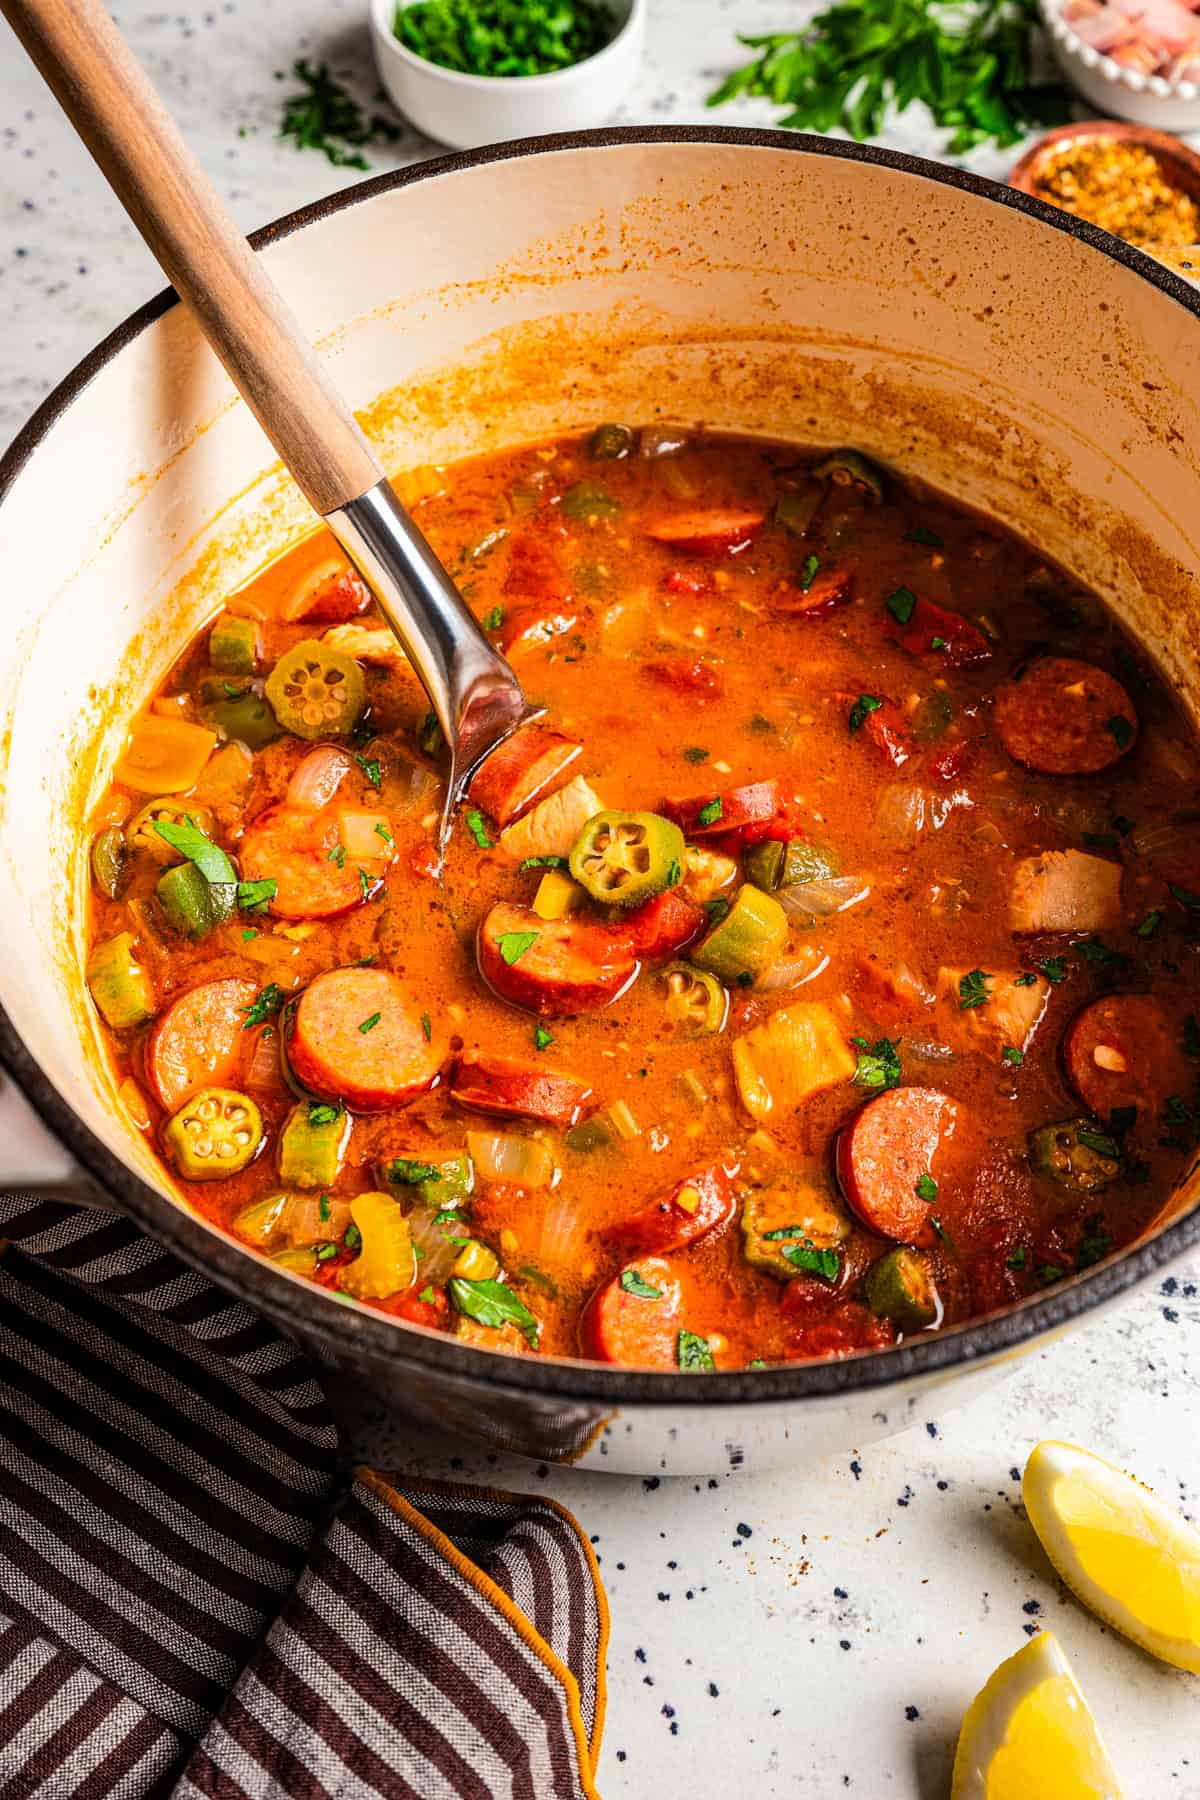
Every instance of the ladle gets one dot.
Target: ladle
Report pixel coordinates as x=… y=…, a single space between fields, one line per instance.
x=110 y=101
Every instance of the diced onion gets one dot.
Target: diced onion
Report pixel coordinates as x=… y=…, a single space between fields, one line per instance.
x=900 y=814
x=318 y=777
x=134 y=1102
x=792 y=972
x=624 y=1123
x=928 y=1050
x=819 y=899
x=264 y=1074
x=1165 y=839
x=499 y=1156
x=363 y=840
x=303 y=1222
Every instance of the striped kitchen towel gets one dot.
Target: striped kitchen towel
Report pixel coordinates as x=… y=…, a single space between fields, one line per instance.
x=192 y=1603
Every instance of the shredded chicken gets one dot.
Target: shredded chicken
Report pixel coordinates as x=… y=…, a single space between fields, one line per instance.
x=1006 y=1018
x=1065 y=890
x=552 y=826
x=797 y=1052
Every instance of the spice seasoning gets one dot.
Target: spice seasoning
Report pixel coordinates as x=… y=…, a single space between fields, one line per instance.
x=1123 y=188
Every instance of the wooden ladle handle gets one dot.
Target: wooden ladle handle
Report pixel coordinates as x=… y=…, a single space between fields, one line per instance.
x=107 y=96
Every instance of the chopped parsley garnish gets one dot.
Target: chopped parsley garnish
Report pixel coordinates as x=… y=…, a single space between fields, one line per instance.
x=544 y=862
x=428 y=1295
x=1107 y=962
x=1121 y=729
x=902 y=605
x=1182 y=1123
x=542 y=1039
x=937 y=643
x=382 y=831
x=491 y=1303
x=324 y=1112
x=248 y=934
x=1054 y=969
x=264 y=1006
x=325 y=1251
x=1150 y=925
x=825 y=1263
x=504 y=37
x=254 y=896
x=1185 y=897
x=972 y=990
x=478 y=830
x=716 y=908
x=427 y=1028
x=921 y=534
x=1100 y=1142
x=696 y=753
x=493 y=620
x=692 y=1352
x=862 y=709
x=404 y=1172
x=708 y=815
x=878 y=1064
x=674 y=873
x=370 y=1024
x=808 y=573
x=323 y=1208
x=337 y=855
x=364 y=882
x=1017 y=1259
x=370 y=768
x=353 y=1237
x=632 y=1283
x=926 y=1189
x=1049 y=1273
x=1012 y=1056
x=514 y=944
x=1096 y=1245
x=1025 y=979
x=190 y=841
x=327 y=117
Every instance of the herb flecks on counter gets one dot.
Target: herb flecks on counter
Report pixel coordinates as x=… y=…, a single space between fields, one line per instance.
x=504 y=37
x=971 y=64
x=327 y=117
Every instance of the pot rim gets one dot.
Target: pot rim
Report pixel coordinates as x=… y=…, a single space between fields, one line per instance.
x=359 y=1333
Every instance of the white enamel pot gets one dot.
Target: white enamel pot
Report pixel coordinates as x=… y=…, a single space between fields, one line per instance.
x=758 y=282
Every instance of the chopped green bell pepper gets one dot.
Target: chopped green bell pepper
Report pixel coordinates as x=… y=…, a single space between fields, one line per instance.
x=746 y=941
x=244 y=717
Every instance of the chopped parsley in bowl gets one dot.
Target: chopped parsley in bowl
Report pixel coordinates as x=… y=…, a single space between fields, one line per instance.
x=504 y=37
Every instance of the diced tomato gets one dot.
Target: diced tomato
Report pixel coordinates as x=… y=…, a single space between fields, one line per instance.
x=553 y=966
x=725 y=814
x=431 y=1313
x=932 y=631
x=693 y=1208
x=534 y=572
x=303 y=853
x=524 y=768
x=886 y=1155
x=620 y=1324
x=686 y=675
x=889 y=993
x=949 y=764
x=711 y=531
x=840 y=1332
x=360 y=1036
x=512 y=1089
x=886 y=731
x=662 y=926
x=423 y=860
x=684 y=581
x=199 y=1041
x=828 y=590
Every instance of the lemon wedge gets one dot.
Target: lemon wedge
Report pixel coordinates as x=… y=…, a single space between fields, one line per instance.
x=1028 y=1735
x=1132 y=1560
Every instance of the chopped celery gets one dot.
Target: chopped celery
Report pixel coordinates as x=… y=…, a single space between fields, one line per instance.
x=386 y=1263
x=119 y=985
x=312 y=1144
x=233 y=645
x=475 y=1262
x=747 y=940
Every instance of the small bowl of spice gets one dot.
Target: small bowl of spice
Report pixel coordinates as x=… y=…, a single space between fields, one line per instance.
x=1139 y=184
x=471 y=72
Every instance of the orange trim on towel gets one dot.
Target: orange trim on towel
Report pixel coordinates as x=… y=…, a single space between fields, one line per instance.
x=489 y=1590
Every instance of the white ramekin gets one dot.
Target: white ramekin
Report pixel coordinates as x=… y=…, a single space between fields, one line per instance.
x=1116 y=91
x=465 y=111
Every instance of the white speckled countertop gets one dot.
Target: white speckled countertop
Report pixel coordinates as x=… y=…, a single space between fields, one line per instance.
x=813 y=1633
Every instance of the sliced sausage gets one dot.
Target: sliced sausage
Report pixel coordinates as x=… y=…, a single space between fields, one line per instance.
x=945 y=636
x=719 y=815
x=622 y=1325
x=518 y=1090
x=886 y=731
x=359 y=1036
x=663 y=926
x=525 y=627
x=1064 y=717
x=199 y=1041
x=829 y=589
x=303 y=853
x=689 y=675
x=707 y=531
x=885 y=1152
x=553 y=966
x=330 y=593
x=534 y=572
x=526 y=766
x=1123 y=1050
x=693 y=1208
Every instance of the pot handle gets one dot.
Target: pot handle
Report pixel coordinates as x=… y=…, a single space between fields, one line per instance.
x=33 y=1162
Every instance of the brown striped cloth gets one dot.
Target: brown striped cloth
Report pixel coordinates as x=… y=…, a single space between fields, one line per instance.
x=194 y=1601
